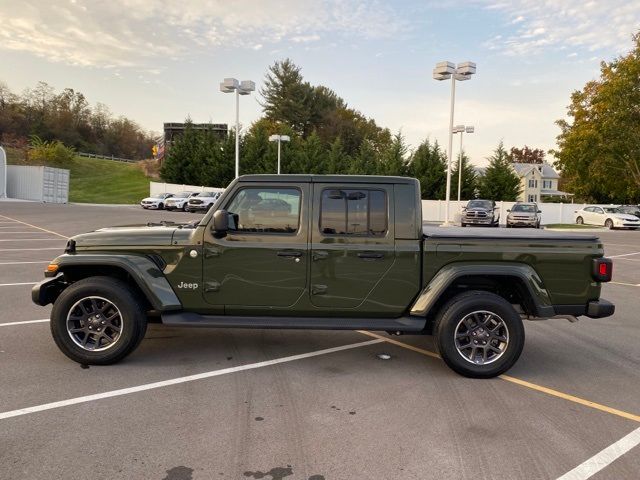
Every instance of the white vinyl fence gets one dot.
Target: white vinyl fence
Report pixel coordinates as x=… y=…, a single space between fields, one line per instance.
x=434 y=211
x=158 y=187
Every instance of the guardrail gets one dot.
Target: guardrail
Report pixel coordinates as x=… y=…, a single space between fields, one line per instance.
x=105 y=157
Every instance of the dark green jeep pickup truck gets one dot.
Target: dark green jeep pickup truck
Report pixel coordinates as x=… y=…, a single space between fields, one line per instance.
x=322 y=252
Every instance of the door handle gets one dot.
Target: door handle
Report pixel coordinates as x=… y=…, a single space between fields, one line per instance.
x=319 y=255
x=289 y=253
x=211 y=252
x=370 y=255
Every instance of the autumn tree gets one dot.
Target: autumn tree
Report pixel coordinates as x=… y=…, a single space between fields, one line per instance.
x=599 y=146
x=526 y=155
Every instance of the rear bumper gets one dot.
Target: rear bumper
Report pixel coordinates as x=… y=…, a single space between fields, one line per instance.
x=595 y=309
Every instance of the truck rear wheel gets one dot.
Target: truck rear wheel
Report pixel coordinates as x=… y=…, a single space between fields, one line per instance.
x=98 y=321
x=479 y=334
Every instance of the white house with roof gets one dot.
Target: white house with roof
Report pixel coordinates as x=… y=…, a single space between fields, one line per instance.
x=537 y=181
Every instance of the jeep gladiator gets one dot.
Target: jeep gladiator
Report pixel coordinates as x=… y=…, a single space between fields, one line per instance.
x=322 y=252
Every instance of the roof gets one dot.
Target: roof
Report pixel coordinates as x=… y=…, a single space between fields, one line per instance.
x=327 y=179
x=524 y=168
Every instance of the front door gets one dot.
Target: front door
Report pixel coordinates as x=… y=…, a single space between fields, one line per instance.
x=263 y=259
x=352 y=243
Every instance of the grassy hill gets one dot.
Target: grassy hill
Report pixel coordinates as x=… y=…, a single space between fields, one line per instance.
x=97 y=181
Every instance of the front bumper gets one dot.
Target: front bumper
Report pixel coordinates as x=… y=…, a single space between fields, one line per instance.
x=45 y=292
x=522 y=223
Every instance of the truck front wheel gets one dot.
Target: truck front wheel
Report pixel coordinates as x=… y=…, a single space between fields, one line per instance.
x=479 y=334
x=98 y=321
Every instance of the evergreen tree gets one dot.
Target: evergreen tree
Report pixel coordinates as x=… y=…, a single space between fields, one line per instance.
x=469 y=179
x=365 y=162
x=393 y=161
x=428 y=164
x=338 y=162
x=500 y=181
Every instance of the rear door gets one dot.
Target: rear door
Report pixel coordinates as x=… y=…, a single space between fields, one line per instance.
x=352 y=242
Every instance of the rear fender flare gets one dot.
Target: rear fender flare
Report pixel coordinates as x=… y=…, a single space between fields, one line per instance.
x=450 y=273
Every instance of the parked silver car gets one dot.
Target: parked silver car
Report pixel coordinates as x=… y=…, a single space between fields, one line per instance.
x=179 y=201
x=524 y=215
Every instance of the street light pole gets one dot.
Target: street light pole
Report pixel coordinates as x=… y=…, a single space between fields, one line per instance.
x=279 y=139
x=446 y=71
x=240 y=88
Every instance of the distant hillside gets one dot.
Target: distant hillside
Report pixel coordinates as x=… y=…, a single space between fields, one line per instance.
x=97 y=181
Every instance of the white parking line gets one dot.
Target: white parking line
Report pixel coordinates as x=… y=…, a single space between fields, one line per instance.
x=624 y=255
x=29 y=239
x=627 y=284
x=21 y=263
x=14 y=284
x=602 y=459
x=34 y=226
x=9 y=324
x=23 y=249
x=178 y=380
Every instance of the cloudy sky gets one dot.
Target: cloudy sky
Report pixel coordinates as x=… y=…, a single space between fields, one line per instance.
x=159 y=61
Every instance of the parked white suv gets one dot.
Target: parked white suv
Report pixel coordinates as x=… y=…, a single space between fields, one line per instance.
x=155 y=202
x=610 y=217
x=202 y=202
x=179 y=201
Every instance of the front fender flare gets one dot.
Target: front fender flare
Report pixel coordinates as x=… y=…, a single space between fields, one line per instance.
x=449 y=273
x=144 y=272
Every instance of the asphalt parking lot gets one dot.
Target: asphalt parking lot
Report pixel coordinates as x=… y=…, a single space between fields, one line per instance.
x=307 y=405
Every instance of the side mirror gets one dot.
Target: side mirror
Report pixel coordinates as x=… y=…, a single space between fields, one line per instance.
x=508 y=210
x=539 y=211
x=220 y=223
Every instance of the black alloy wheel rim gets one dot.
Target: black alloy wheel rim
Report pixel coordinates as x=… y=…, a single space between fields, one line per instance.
x=94 y=324
x=481 y=337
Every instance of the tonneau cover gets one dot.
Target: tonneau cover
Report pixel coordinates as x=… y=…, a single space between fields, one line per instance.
x=430 y=231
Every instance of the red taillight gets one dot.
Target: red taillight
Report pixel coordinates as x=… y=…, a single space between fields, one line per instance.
x=602 y=269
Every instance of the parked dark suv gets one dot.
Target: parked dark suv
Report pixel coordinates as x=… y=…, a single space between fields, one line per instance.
x=480 y=212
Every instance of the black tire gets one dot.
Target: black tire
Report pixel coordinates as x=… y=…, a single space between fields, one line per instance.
x=161 y=206
x=579 y=220
x=608 y=223
x=184 y=207
x=508 y=226
x=461 y=308
x=133 y=320
x=463 y=224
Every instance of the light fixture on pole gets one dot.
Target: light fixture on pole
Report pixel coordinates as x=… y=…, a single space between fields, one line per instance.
x=446 y=71
x=245 y=87
x=279 y=139
x=461 y=129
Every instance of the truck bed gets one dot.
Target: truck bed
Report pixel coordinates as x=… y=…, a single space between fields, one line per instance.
x=488 y=233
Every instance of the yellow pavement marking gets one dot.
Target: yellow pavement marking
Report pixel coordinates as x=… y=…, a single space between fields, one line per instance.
x=523 y=383
x=39 y=228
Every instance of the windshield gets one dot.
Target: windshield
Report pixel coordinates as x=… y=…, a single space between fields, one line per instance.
x=524 y=208
x=479 y=204
x=182 y=195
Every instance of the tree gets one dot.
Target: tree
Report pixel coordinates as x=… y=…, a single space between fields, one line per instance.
x=469 y=179
x=526 y=155
x=599 y=147
x=393 y=161
x=429 y=165
x=499 y=181
x=286 y=96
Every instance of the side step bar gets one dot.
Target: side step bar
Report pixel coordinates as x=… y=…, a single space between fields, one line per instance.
x=190 y=319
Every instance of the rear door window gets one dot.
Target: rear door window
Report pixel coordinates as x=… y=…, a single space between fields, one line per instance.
x=353 y=212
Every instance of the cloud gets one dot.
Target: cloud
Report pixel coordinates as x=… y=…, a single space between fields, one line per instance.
x=127 y=33
x=543 y=24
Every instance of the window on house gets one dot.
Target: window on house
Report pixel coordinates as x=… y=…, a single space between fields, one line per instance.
x=547 y=184
x=533 y=183
x=533 y=198
x=353 y=212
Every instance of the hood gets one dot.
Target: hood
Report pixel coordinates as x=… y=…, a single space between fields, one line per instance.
x=132 y=235
x=624 y=216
